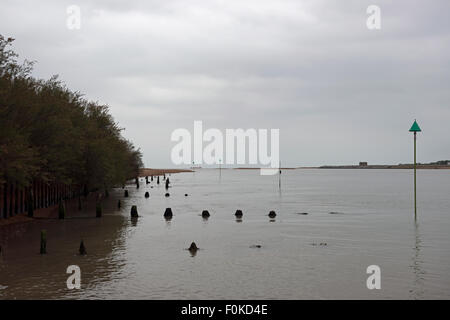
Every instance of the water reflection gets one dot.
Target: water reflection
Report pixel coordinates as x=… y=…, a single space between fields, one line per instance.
x=134 y=222
x=418 y=287
x=29 y=275
x=193 y=253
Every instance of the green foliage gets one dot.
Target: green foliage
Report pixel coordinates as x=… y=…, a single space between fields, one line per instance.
x=51 y=133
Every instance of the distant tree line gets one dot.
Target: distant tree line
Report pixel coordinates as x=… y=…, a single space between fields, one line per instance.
x=52 y=134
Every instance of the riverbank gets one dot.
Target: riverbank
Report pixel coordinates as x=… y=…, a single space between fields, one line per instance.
x=146 y=172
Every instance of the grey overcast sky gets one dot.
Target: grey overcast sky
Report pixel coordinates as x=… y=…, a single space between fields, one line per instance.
x=339 y=92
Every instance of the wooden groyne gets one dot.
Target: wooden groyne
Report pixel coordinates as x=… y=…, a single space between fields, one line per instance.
x=15 y=200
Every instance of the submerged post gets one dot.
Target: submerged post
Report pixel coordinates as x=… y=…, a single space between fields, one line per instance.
x=167 y=183
x=82 y=250
x=415 y=128
x=134 y=212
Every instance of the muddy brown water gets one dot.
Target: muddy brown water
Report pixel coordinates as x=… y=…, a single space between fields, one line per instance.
x=317 y=255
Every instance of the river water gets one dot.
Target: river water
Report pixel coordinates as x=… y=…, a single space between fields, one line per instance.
x=314 y=256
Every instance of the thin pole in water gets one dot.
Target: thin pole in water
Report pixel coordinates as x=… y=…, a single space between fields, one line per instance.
x=415 y=128
x=415 y=177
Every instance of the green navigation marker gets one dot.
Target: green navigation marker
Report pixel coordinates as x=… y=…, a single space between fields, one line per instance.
x=415 y=128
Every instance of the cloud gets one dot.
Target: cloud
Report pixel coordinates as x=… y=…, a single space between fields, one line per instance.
x=338 y=92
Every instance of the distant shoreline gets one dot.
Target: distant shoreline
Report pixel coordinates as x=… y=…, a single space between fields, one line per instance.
x=159 y=172
x=398 y=166
x=145 y=172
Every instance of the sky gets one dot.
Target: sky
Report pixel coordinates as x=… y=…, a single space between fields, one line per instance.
x=339 y=92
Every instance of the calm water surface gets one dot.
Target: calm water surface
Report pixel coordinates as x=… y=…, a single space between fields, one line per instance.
x=146 y=259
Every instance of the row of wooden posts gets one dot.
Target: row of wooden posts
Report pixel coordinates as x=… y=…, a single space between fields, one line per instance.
x=15 y=200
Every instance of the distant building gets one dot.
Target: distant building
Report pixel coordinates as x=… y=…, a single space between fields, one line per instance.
x=363 y=164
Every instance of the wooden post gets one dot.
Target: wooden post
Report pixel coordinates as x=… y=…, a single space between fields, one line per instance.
x=46 y=195
x=21 y=201
x=98 y=209
x=61 y=210
x=82 y=248
x=134 y=212
x=16 y=201
x=43 y=242
x=26 y=199
x=38 y=194
x=30 y=202
x=5 y=201
x=34 y=195
x=11 y=200
x=2 y=201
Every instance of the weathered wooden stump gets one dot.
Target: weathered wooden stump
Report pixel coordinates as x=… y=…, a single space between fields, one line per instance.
x=98 y=209
x=147 y=194
x=125 y=193
x=205 y=214
x=272 y=214
x=193 y=247
x=167 y=183
x=134 y=212
x=238 y=213
x=82 y=248
x=30 y=203
x=168 y=213
x=43 y=242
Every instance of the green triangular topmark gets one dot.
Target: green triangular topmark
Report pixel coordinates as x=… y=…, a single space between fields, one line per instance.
x=415 y=127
